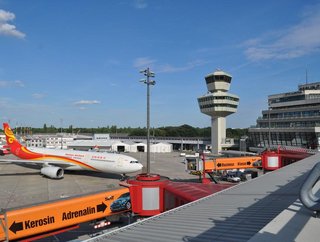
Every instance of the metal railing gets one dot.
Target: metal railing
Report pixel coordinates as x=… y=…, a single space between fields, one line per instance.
x=309 y=198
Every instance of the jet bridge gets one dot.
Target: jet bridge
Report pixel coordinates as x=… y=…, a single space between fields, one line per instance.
x=196 y=165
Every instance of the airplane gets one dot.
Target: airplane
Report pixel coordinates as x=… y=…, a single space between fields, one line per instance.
x=4 y=150
x=54 y=162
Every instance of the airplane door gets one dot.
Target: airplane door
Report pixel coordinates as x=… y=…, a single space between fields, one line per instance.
x=120 y=163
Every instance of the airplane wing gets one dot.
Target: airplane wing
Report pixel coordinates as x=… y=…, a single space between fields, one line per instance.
x=63 y=165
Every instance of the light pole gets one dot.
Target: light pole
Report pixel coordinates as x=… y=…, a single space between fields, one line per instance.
x=269 y=126
x=149 y=82
x=61 y=121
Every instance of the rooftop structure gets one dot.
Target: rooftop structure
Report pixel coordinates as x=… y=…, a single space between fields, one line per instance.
x=54 y=141
x=292 y=119
x=218 y=104
x=266 y=208
x=105 y=141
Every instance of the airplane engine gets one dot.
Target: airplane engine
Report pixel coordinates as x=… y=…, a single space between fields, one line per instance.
x=52 y=172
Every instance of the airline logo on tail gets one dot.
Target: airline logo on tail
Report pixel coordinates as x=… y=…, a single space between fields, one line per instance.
x=13 y=143
x=9 y=134
x=11 y=139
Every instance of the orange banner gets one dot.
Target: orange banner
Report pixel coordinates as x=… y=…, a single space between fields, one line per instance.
x=28 y=221
x=244 y=162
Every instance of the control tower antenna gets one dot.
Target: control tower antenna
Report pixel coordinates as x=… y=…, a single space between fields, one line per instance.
x=218 y=104
x=306 y=76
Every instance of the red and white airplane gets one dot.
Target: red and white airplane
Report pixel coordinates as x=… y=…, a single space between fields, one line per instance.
x=54 y=162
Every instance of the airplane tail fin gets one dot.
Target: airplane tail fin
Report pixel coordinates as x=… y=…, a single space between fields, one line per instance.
x=13 y=143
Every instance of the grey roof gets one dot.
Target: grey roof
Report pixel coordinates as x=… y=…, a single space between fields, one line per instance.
x=235 y=214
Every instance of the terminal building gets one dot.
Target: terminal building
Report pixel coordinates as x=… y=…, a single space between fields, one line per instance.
x=292 y=119
x=97 y=142
x=218 y=104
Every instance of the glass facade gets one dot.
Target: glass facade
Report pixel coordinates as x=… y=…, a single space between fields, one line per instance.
x=211 y=98
x=300 y=124
x=287 y=99
x=217 y=105
x=300 y=139
x=291 y=120
x=221 y=78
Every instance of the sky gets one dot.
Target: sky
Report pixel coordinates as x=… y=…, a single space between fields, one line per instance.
x=78 y=62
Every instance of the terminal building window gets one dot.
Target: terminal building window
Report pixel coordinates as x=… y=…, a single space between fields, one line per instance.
x=312 y=113
x=300 y=139
x=287 y=99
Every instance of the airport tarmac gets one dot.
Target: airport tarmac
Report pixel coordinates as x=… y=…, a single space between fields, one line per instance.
x=22 y=185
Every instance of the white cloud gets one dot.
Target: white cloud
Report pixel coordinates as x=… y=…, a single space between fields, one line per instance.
x=18 y=83
x=189 y=66
x=143 y=62
x=7 y=84
x=295 y=41
x=6 y=16
x=3 y=83
x=140 y=4
x=38 y=95
x=9 y=29
x=86 y=102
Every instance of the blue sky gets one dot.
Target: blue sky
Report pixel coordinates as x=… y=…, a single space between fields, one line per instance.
x=77 y=62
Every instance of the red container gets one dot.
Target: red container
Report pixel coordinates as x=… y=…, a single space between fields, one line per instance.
x=147 y=194
x=271 y=160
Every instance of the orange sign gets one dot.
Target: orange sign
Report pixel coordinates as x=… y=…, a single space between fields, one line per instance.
x=243 y=162
x=55 y=215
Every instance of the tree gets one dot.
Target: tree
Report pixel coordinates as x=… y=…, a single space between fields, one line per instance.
x=113 y=129
x=45 y=129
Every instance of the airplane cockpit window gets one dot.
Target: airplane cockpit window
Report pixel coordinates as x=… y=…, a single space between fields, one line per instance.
x=134 y=161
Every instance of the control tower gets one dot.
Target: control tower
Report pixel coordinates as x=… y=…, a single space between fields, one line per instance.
x=218 y=104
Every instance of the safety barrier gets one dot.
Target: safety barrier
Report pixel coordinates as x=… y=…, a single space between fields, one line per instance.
x=309 y=198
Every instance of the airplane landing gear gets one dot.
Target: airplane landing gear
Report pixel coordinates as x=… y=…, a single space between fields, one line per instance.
x=124 y=177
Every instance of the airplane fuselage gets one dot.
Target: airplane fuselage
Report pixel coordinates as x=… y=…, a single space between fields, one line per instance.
x=84 y=160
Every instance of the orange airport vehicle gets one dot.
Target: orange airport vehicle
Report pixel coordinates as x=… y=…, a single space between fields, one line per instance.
x=57 y=215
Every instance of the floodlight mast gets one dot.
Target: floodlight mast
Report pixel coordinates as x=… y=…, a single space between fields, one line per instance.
x=149 y=82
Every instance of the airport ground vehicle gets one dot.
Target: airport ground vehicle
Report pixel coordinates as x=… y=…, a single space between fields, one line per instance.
x=230 y=177
x=233 y=178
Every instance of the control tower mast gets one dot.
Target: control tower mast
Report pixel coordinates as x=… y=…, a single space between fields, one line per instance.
x=218 y=104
